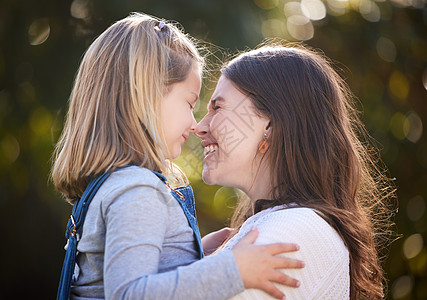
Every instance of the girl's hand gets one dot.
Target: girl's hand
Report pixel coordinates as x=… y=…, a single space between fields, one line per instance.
x=213 y=240
x=258 y=263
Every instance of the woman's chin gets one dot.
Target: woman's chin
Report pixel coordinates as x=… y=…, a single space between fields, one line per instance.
x=208 y=177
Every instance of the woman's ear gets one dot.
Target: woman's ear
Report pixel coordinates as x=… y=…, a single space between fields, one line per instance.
x=268 y=128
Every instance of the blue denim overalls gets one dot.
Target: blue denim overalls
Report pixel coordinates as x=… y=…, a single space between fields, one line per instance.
x=188 y=206
x=184 y=196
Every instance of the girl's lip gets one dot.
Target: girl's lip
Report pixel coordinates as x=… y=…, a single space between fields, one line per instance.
x=185 y=137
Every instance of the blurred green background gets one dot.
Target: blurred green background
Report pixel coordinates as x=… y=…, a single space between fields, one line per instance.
x=381 y=47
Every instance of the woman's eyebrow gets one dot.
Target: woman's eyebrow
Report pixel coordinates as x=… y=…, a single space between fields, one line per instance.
x=215 y=100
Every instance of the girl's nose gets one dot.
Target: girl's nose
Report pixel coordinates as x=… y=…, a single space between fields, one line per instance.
x=193 y=126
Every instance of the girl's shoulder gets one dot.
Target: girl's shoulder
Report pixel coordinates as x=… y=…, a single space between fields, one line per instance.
x=132 y=180
x=136 y=175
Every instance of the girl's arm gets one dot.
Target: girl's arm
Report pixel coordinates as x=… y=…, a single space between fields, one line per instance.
x=136 y=224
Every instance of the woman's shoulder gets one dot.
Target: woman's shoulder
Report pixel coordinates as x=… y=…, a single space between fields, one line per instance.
x=300 y=225
x=292 y=214
x=298 y=216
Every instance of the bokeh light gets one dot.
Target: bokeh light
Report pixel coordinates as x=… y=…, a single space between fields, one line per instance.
x=9 y=149
x=337 y=7
x=39 y=31
x=298 y=24
x=313 y=9
x=300 y=27
x=40 y=121
x=413 y=245
x=80 y=9
x=397 y=125
x=413 y=128
x=415 y=208
x=386 y=49
x=292 y=8
x=407 y=126
x=402 y=287
x=369 y=10
x=399 y=85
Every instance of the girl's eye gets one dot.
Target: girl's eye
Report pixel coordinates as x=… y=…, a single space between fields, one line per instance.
x=191 y=106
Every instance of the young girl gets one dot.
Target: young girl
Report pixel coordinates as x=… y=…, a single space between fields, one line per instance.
x=130 y=112
x=308 y=177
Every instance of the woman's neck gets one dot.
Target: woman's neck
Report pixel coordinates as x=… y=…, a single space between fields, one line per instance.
x=261 y=186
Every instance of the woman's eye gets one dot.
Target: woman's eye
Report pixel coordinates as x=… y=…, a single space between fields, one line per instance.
x=216 y=107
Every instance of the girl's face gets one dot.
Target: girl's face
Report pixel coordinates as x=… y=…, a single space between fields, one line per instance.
x=177 y=117
x=231 y=132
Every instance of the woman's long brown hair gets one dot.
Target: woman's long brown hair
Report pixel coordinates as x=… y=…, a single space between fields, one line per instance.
x=316 y=153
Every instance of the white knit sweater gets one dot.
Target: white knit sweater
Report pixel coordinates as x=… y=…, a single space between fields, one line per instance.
x=326 y=274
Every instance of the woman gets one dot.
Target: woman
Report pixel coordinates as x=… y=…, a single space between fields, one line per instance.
x=281 y=127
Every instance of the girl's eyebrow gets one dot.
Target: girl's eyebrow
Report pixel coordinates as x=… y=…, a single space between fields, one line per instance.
x=195 y=94
x=196 y=97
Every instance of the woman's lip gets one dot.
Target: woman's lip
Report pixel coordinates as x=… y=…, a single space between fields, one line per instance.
x=209 y=151
x=207 y=143
x=209 y=155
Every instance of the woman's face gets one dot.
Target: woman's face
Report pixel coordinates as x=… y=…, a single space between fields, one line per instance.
x=177 y=112
x=231 y=132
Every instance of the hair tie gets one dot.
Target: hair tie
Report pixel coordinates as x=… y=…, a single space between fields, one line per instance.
x=160 y=26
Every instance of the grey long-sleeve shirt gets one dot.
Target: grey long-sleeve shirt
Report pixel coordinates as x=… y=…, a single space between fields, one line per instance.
x=137 y=244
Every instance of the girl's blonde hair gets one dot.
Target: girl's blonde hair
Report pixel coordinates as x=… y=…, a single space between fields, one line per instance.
x=113 y=117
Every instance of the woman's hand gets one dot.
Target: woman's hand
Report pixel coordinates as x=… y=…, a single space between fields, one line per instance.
x=258 y=263
x=213 y=240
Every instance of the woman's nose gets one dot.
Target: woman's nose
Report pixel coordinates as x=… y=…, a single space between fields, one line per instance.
x=202 y=128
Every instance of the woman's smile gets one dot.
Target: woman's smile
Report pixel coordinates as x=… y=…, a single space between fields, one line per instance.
x=210 y=150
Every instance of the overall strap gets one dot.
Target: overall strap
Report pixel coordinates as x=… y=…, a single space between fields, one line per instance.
x=185 y=197
x=188 y=206
x=73 y=233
